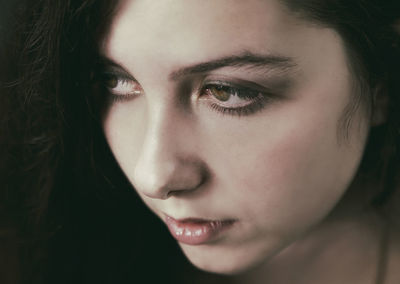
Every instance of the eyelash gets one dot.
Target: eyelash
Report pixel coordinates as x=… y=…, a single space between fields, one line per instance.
x=257 y=99
x=119 y=80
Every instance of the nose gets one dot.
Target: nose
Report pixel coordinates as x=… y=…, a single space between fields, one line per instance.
x=168 y=164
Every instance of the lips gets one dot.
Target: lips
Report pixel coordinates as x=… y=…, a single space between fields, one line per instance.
x=194 y=231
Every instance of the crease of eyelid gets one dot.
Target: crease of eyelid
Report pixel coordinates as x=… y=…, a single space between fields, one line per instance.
x=274 y=86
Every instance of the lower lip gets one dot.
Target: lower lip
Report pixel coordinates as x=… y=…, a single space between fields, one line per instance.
x=196 y=232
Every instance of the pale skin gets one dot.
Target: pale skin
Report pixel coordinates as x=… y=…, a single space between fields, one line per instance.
x=279 y=169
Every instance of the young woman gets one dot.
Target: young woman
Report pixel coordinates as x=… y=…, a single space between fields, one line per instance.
x=264 y=134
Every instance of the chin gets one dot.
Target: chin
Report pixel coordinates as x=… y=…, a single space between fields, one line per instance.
x=222 y=260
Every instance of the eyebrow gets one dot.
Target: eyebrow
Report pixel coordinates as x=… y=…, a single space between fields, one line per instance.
x=245 y=59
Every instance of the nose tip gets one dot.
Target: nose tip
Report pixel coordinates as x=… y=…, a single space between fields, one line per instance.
x=161 y=181
x=169 y=162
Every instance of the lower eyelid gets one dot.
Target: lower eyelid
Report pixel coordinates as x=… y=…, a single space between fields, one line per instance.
x=248 y=110
x=256 y=105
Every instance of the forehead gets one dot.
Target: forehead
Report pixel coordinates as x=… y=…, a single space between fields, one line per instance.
x=152 y=38
x=183 y=27
x=201 y=14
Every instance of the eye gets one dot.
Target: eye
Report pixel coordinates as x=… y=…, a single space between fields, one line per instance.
x=231 y=96
x=233 y=100
x=121 y=87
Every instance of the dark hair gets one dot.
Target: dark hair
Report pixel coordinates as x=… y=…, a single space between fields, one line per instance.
x=59 y=181
x=370 y=32
x=61 y=218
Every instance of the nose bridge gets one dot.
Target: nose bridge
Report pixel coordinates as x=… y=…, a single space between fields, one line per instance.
x=166 y=163
x=161 y=137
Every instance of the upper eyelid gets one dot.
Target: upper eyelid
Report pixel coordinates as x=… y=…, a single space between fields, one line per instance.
x=276 y=89
x=236 y=88
x=108 y=66
x=117 y=72
x=236 y=85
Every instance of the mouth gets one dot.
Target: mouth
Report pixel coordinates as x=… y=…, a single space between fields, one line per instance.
x=194 y=231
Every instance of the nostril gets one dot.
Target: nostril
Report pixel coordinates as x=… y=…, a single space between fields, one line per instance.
x=192 y=185
x=180 y=192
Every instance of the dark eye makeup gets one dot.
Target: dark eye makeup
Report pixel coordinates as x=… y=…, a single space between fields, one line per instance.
x=235 y=98
x=227 y=98
x=120 y=86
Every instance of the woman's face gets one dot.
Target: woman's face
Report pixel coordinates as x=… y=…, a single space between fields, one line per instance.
x=225 y=116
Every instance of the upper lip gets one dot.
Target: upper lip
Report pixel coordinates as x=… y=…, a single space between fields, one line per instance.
x=197 y=220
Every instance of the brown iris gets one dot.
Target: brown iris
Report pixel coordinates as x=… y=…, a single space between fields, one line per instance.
x=111 y=82
x=220 y=93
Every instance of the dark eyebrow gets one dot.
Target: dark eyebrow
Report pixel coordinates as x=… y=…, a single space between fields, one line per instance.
x=245 y=59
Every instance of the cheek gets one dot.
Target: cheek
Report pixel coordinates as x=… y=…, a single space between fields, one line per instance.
x=292 y=172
